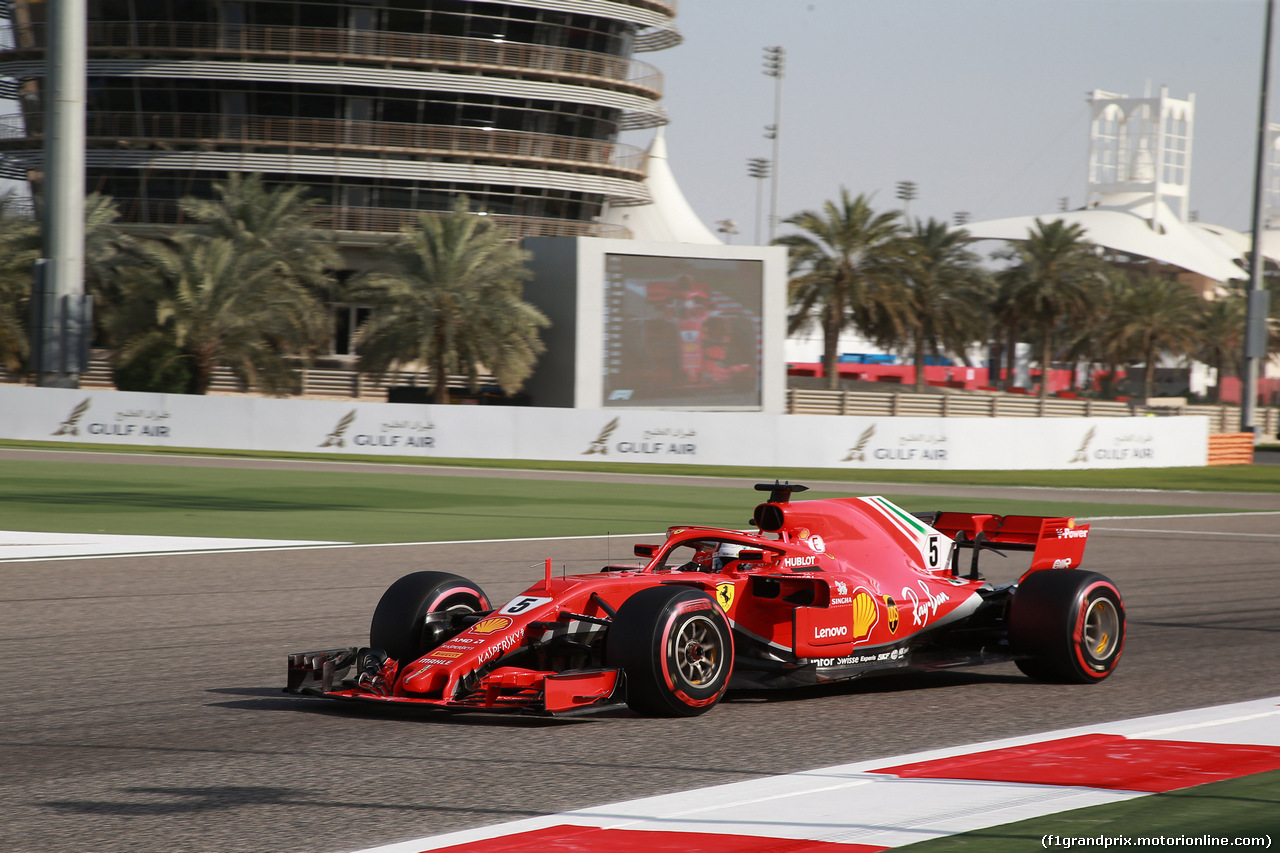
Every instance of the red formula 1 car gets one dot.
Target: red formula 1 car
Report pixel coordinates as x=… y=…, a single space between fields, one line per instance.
x=826 y=590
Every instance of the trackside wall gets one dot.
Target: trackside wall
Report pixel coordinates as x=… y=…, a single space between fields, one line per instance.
x=496 y=432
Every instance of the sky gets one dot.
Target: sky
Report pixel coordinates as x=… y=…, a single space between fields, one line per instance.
x=982 y=103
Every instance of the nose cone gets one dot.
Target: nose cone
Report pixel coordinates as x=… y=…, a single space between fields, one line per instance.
x=426 y=677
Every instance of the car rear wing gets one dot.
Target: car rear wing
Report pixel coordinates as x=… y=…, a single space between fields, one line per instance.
x=1055 y=543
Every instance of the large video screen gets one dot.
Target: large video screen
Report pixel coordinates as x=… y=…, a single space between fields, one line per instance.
x=682 y=332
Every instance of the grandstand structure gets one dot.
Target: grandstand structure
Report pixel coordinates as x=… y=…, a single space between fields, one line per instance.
x=382 y=108
x=1137 y=194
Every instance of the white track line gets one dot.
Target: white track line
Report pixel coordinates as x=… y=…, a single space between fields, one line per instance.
x=853 y=803
x=1179 y=515
x=286 y=545
x=29 y=546
x=1190 y=532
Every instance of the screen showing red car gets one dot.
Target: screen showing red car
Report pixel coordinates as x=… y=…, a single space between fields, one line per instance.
x=682 y=332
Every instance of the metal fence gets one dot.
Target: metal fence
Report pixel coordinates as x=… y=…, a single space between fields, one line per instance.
x=315 y=381
x=211 y=132
x=347 y=383
x=1223 y=418
x=372 y=47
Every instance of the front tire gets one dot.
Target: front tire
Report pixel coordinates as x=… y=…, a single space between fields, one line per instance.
x=399 y=625
x=676 y=648
x=1068 y=626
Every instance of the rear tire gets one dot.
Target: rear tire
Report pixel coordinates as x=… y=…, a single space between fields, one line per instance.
x=1068 y=626
x=399 y=625
x=676 y=648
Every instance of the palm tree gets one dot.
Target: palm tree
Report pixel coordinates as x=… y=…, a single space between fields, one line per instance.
x=449 y=296
x=1055 y=275
x=210 y=301
x=1158 y=315
x=280 y=220
x=832 y=266
x=1220 y=325
x=19 y=249
x=107 y=251
x=943 y=296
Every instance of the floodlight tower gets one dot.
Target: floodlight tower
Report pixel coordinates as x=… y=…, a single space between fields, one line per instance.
x=774 y=63
x=758 y=168
x=906 y=194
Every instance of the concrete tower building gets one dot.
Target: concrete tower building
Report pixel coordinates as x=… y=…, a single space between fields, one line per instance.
x=382 y=108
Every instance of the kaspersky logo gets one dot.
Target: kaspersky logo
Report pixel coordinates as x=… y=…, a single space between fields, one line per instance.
x=1082 y=453
x=601 y=444
x=858 y=453
x=335 y=438
x=71 y=426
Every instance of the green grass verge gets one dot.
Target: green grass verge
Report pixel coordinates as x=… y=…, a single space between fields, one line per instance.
x=1230 y=478
x=74 y=497
x=1238 y=808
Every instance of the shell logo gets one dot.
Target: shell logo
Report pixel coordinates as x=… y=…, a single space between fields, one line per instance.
x=490 y=625
x=865 y=614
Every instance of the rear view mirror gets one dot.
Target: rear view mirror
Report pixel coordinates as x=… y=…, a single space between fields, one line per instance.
x=646 y=550
x=751 y=556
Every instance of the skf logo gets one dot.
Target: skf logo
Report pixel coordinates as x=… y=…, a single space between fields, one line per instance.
x=601 y=444
x=335 y=439
x=724 y=595
x=858 y=453
x=71 y=426
x=891 y=607
x=865 y=615
x=492 y=624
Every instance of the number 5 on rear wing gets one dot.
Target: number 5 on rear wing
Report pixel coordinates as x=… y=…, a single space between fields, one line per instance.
x=1056 y=543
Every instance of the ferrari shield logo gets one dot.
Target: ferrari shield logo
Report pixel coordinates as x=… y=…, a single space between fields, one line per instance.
x=724 y=595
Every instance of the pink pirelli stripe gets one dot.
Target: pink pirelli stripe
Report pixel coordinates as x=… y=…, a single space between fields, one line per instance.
x=870 y=806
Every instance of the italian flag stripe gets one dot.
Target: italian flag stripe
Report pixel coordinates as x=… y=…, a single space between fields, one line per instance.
x=904 y=519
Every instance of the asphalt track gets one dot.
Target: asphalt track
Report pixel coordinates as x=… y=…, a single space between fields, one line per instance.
x=142 y=709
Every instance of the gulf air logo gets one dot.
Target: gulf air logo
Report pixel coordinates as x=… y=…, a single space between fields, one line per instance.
x=490 y=625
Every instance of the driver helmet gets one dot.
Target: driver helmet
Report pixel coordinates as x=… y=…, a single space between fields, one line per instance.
x=727 y=552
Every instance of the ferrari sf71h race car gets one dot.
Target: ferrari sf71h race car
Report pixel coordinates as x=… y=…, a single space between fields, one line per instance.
x=825 y=590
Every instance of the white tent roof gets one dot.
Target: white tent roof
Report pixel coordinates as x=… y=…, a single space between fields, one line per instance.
x=668 y=218
x=1123 y=222
x=1243 y=243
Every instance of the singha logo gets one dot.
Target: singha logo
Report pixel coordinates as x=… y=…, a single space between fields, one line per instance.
x=858 y=453
x=1082 y=454
x=601 y=444
x=71 y=426
x=335 y=438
